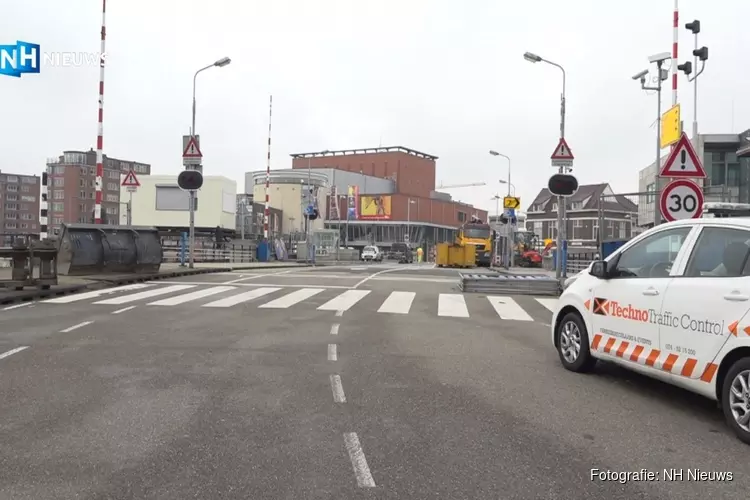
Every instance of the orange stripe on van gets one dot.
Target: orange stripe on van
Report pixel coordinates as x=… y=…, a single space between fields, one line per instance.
x=652 y=357
x=636 y=354
x=621 y=350
x=595 y=343
x=687 y=370
x=669 y=363
x=610 y=343
x=709 y=372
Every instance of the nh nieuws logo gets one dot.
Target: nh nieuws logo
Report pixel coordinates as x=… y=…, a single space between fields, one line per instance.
x=25 y=58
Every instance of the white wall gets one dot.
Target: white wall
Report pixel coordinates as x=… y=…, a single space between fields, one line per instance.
x=217 y=203
x=288 y=198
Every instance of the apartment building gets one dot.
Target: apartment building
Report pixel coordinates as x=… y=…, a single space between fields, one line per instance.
x=19 y=206
x=72 y=187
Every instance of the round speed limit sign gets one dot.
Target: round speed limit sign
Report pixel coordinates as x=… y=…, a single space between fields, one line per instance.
x=681 y=199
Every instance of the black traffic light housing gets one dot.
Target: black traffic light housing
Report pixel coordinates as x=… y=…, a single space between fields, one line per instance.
x=190 y=180
x=701 y=53
x=695 y=27
x=686 y=68
x=562 y=185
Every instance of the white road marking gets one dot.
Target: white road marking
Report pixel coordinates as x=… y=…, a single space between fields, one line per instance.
x=17 y=306
x=344 y=301
x=241 y=278
x=335 y=329
x=123 y=310
x=374 y=275
x=241 y=297
x=359 y=462
x=292 y=298
x=13 y=351
x=187 y=297
x=339 y=314
x=398 y=303
x=332 y=355
x=144 y=295
x=96 y=293
x=453 y=305
x=550 y=304
x=507 y=308
x=75 y=327
x=338 y=389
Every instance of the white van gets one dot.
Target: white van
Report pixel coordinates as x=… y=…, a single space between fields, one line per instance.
x=372 y=254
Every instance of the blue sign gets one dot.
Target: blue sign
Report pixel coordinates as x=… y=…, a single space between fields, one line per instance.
x=19 y=59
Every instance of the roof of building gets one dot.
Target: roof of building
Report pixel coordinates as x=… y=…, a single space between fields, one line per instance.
x=363 y=151
x=590 y=193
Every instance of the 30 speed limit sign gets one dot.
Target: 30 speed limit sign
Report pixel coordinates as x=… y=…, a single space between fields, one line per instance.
x=681 y=199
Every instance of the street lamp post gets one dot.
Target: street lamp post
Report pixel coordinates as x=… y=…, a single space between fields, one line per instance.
x=511 y=235
x=561 y=272
x=219 y=64
x=408 y=221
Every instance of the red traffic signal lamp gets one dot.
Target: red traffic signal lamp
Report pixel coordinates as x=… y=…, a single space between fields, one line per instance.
x=190 y=180
x=562 y=185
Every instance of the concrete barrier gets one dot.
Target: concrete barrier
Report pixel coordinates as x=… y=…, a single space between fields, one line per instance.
x=86 y=249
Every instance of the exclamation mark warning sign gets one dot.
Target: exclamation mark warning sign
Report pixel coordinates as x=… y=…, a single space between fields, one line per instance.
x=683 y=159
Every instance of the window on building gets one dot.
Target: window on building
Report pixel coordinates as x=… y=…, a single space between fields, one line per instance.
x=11 y=178
x=57 y=220
x=28 y=197
x=11 y=225
x=113 y=198
x=12 y=197
x=651 y=188
x=58 y=207
x=12 y=188
x=111 y=210
x=59 y=181
x=173 y=198
x=112 y=186
x=11 y=215
x=551 y=229
x=461 y=216
x=25 y=189
x=27 y=216
x=28 y=180
x=11 y=206
x=59 y=195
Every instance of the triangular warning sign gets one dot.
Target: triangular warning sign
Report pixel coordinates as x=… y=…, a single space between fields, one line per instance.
x=131 y=180
x=683 y=161
x=192 y=150
x=562 y=151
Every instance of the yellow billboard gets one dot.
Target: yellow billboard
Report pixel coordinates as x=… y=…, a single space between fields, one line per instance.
x=375 y=207
x=671 y=128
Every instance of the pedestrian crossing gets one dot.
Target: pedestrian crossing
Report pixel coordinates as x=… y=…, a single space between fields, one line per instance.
x=445 y=305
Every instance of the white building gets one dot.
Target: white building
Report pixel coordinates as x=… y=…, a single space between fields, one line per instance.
x=160 y=202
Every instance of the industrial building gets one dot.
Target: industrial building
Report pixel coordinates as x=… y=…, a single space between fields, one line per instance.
x=383 y=196
x=19 y=206
x=72 y=184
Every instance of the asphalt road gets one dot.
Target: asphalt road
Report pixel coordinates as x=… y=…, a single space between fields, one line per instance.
x=157 y=394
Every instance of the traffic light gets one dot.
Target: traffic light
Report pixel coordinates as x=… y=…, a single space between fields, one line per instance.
x=695 y=27
x=686 y=68
x=190 y=180
x=562 y=185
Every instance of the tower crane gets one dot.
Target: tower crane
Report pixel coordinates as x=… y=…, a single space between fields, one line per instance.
x=451 y=186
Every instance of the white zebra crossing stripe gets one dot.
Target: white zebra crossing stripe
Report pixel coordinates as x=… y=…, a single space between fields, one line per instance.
x=95 y=294
x=507 y=308
x=344 y=301
x=242 y=297
x=187 y=297
x=453 y=305
x=398 y=303
x=550 y=304
x=291 y=299
x=144 y=295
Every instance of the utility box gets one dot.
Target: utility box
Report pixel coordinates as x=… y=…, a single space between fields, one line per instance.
x=442 y=255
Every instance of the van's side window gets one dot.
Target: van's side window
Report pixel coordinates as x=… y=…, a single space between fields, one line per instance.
x=653 y=256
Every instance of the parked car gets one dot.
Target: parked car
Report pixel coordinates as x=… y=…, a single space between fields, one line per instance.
x=402 y=253
x=672 y=303
x=372 y=254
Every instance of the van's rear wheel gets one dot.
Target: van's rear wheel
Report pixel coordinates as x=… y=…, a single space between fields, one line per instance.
x=573 y=344
x=735 y=399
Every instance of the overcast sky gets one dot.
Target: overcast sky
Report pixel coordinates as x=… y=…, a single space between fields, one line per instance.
x=444 y=77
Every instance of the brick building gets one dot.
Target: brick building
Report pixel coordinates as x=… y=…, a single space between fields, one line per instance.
x=72 y=184
x=408 y=206
x=19 y=206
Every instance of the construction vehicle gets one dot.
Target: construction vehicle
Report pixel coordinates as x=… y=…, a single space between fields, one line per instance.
x=472 y=247
x=526 y=254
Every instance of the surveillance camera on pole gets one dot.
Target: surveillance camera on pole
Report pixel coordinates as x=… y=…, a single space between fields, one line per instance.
x=698 y=55
x=660 y=58
x=641 y=76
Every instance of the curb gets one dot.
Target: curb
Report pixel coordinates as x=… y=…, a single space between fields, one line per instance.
x=26 y=296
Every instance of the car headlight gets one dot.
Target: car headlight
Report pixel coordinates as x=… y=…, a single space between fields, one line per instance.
x=572 y=280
